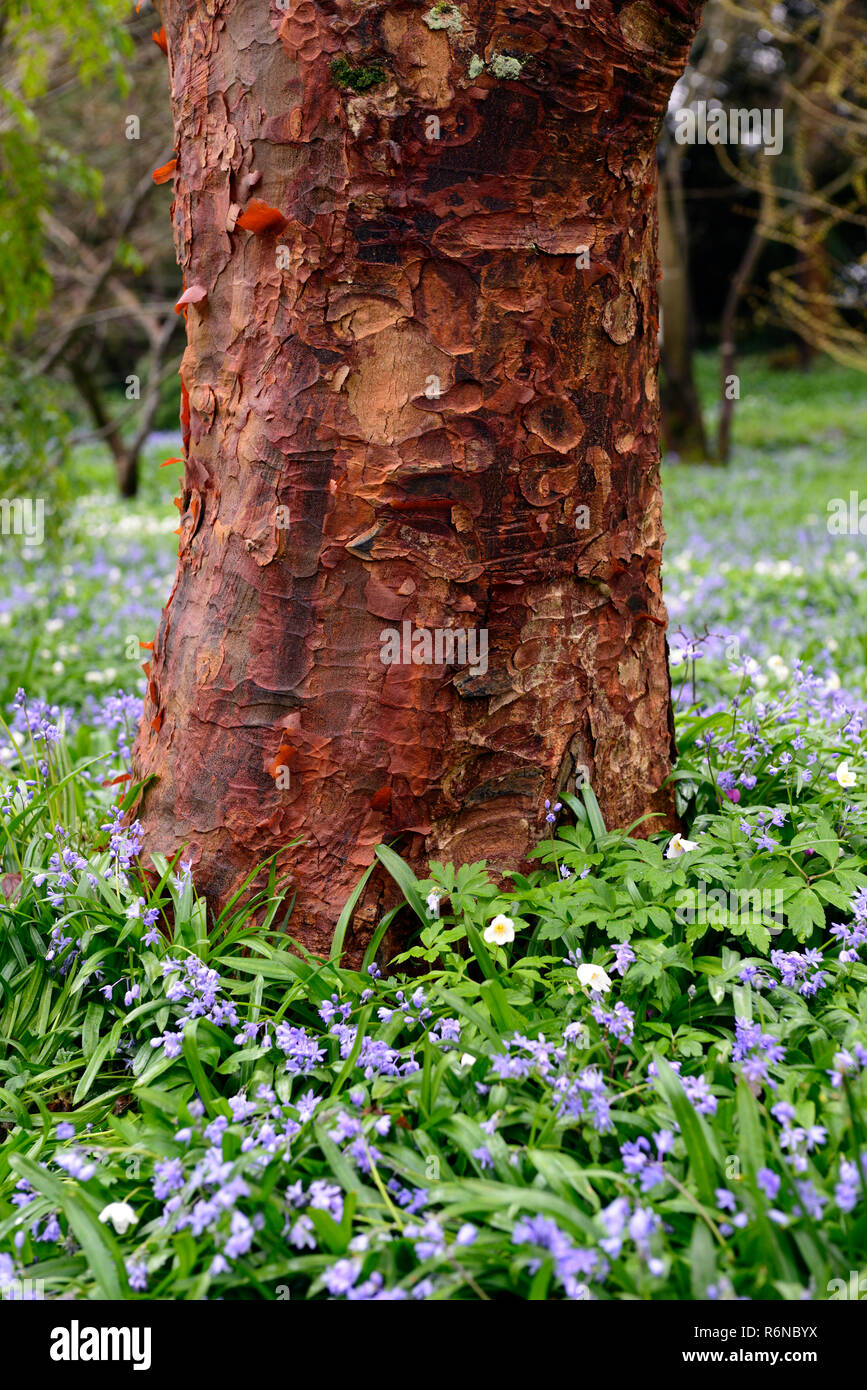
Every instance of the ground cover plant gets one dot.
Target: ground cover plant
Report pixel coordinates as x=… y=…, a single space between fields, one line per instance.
x=634 y=1072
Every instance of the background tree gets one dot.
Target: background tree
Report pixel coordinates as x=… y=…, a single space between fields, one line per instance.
x=39 y=40
x=100 y=284
x=798 y=215
x=419 y=262
x=682 y=420
x=816 y=196
x=111 y=328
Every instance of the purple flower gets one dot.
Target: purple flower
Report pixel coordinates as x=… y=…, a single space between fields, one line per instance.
x=340 y=1277
x=137 y=1274
x=623 y=957
x=769 y=1182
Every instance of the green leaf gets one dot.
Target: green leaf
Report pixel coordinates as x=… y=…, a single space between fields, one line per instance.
x=376 y=939
x=804 y=912
x=478 y=1195
x=97 y=1058
x=460 y=1006
x=833 y=893
x=405 y=880
x=759 y=937
x=346 y=916
x=594 y=814
x=752 y=1144
x=194 y=1062
x=702 y=1260
x=100 y=1249
x=696 y=1135
x=563 y=1174
x=90 y=1028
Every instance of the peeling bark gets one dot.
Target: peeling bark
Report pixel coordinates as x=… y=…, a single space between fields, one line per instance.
x=398 y=394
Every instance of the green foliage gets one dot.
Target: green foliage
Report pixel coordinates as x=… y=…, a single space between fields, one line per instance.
x=316 y=1129
x=36 y=36
x=24 y=283
x=34 y=428
x=358 y=78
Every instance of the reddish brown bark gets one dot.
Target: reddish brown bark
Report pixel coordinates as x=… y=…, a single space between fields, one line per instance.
x=308 y=385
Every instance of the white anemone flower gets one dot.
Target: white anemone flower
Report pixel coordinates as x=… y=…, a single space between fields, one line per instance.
x=121 y=1216
x=778 y=666
x=500 y=930
x=677 y=846
x=593 y=977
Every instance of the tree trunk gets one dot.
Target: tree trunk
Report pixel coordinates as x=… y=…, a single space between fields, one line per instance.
x=682 y=423
x=728 y=348
x=125 y=459
x=409 y=396
x=126 y=471
x=815 y=279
